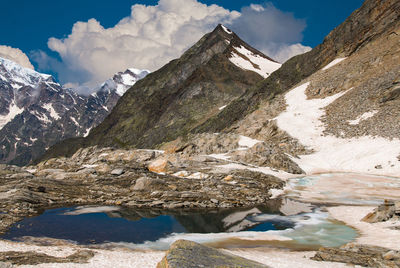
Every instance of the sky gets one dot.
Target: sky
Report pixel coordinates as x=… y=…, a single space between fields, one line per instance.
x=85 y=42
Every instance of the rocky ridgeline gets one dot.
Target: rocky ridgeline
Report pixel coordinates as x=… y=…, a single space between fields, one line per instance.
x=129 y=178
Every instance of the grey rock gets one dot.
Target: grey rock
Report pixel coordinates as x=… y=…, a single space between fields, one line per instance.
x=189 y=254
x=147 y=184
x=384 y=212
x=215 y=201
x=117 y=171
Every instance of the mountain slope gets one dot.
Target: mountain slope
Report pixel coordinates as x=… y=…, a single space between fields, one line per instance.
x=36 y=112
x=367 y=23
x=346 y=114
x=181 y=95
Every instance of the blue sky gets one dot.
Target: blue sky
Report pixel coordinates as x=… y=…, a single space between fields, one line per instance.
x=28 y=25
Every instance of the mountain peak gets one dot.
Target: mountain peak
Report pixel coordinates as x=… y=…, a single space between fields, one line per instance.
x=20 y=76
x=222 y=28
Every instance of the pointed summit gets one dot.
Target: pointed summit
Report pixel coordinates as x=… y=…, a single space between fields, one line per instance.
x=170 y=102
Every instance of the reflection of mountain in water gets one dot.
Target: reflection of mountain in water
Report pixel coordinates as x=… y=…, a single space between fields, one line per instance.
x=231 y=220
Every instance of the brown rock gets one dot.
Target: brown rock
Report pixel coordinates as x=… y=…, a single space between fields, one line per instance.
x=159 y=166
x=189 y=254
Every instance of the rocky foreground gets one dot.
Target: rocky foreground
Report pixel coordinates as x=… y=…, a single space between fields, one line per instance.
x=129 y=178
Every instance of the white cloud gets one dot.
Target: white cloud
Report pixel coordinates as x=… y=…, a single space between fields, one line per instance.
x=285 y=52
x=276 y=33
x=16 y=55
x=147 y=39
x=153 y=35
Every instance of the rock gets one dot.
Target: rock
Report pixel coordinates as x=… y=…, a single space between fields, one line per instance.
x=117 y=171
x=159 y=166
x=34 y=258
x=228 y=178
x=364 y=255
x=147 y=184
x=215 y=201
x=5 y=265
x=189 y=254
x=392 y=255
x=383 y=212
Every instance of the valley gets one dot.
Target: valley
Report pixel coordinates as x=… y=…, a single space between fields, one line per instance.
x=220 y=155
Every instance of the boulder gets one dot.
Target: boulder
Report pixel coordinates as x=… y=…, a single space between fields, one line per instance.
x=117 y=171
x=384 y=212
x=147 y=184
x=160 y=166
x=189 y=254
x=364 y=255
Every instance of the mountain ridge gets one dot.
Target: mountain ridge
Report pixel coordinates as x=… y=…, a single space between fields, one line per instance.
x=182 y=94
x=36 y=112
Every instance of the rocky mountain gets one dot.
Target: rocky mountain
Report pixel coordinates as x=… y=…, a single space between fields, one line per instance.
x=36 y=112
x=308 y=115
x=182 y=95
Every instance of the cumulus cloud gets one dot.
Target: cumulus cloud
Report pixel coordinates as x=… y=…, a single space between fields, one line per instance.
x=153 y=35
x=16 y=55
x=276 y=33
x=147 y=39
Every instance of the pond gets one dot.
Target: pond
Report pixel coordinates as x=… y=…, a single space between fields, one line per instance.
x=147 y=229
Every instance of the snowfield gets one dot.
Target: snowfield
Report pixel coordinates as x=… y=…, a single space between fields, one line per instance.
x=255 y=63
x=373 y=155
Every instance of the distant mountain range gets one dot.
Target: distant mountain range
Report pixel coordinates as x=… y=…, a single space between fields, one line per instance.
x=36 y=112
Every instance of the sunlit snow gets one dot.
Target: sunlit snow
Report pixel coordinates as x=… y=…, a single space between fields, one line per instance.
x=302 y=121
x=333 y=63
x=253 y=62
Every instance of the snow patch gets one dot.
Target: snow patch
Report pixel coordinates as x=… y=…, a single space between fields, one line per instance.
x=87 y=132
x=247 y=142
x=74 y=120
x=14 y=110
x=362 y=117
x=302 y=121
x=53 y=113
x=222 y=107
x=255 y=63
x=226 y=29
x=333 y=63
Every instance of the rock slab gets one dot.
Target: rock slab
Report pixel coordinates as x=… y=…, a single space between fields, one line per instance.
x=189 y=254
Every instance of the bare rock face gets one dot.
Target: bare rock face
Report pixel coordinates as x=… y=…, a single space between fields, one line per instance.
x=364 y=255
x=387 y=211
x=189 y=254
x=36 y=112
x=34 y=258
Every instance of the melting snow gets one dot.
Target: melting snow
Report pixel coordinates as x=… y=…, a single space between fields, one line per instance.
x=13 y=111
x=255 y=63
x=302 y=121
x=247 y=142
x=362 y=117
x=226 y=29
x=53 y=113
x=87 y=132
x=333 y=63
x=222 y=107
x=74 y=120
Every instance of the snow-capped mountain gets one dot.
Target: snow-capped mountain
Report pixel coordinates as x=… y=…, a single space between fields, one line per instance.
x=36 y=112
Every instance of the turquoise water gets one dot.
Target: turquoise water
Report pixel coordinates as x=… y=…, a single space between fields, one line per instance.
x=157 y=230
